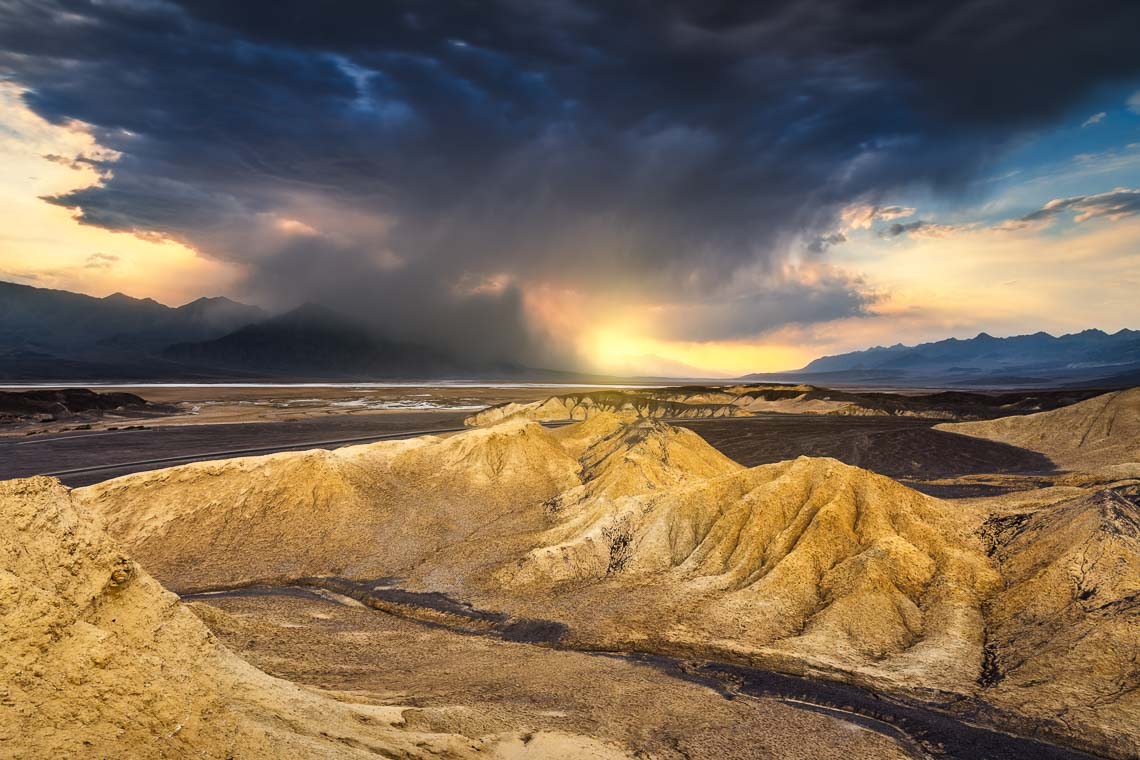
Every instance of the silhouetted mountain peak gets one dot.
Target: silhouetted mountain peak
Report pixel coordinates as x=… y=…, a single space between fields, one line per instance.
x=1033 y=359
x=313 y=340
x=122 y=298
x=211 y=301
x=220 y=311
x=81 y=327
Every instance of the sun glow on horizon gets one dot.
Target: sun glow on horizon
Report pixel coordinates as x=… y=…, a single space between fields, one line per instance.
x=613 y=349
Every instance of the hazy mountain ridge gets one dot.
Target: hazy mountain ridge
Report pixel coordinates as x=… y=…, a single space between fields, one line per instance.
x=311 y=339
x=59 y=336
x=987 y=352
x=56 y=335
x=61 y=323
x=1086 y=357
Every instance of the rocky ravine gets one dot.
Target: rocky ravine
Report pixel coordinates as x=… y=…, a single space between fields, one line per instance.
x=639 y=536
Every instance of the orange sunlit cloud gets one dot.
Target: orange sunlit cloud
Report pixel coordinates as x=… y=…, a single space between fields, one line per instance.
x=43 y=245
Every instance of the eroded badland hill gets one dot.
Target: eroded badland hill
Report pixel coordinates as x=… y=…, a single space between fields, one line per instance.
x=628 y=534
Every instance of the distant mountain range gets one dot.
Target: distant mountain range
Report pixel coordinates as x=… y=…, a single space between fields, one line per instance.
x=38 y=320
x=61 y=337
x=1088 y=358
x=57 y=336
x=309 y=338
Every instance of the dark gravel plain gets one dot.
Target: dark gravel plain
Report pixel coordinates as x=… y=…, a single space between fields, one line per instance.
x=899 y=447
x=81 y=458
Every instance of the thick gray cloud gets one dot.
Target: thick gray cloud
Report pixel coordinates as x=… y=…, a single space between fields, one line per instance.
x=823 y=242
x=743 y=315
x=378 y=156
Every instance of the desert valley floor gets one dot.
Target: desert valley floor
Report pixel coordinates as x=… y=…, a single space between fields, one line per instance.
x=737 y=572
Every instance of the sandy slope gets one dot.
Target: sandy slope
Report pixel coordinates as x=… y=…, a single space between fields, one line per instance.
x=1103 y=430
x=364 y=511
x=97 y=660
x=1067 y=627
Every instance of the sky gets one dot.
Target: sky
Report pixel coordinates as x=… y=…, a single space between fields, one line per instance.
x=676 y=188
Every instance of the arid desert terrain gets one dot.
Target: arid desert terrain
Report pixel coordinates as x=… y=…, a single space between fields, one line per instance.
x=569 y=380
x=739 y=572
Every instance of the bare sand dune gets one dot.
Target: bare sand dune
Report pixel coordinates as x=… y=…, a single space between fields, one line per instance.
x=98 y=660
x=1104 y=430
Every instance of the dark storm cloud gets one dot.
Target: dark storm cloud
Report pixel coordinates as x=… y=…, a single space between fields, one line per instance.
x=638 y=147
